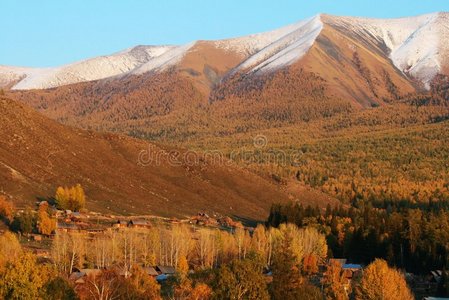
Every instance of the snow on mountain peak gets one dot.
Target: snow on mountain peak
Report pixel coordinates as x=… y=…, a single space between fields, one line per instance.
x=278 y=48
x=415 y=44
x=86 y=70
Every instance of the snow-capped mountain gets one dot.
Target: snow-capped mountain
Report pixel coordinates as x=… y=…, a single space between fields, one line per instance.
x=415 y=46
x=86 y=70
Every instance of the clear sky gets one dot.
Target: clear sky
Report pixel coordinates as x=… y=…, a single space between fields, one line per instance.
x=53 y=32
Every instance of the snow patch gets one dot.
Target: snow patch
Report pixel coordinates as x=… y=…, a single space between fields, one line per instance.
x=286 y=49
x=87 y=70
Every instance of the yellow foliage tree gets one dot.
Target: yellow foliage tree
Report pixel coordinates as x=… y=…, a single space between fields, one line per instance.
x=183 y=267
x=10 y=248
x=143 y=286
x=23 y=278
x=72 y=198
x=184 y=286
x=382 y=282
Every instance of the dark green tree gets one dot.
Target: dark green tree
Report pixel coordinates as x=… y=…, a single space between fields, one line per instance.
x=24 y=222
x=58 y=289
x=287 y=280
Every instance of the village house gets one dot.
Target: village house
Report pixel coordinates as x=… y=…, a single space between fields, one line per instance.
x=78 y=277
x=120 y=224
x=164 y=272
x=151 y=271
x=138 y=224
x=167 y=270
x=36 y=237
x=67 y=227
x=42 y=253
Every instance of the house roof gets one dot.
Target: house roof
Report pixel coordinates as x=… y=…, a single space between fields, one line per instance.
x=139 y=222
x=342 y=261
x=76 y=275
x=151 y=271
x=352 y=266
x=93 y=272
x=166 y=269
x=67 y=226
x=161 y=277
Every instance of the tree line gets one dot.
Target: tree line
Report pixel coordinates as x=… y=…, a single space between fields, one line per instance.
x=410 y=236
x=293 y=264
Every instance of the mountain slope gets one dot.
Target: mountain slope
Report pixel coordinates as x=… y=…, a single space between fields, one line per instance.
x=37 y=155
x=415 y=45
x=354 y=68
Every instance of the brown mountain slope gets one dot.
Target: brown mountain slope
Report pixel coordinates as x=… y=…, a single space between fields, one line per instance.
x=37 y=155
x=355 y=68
x=206 y=64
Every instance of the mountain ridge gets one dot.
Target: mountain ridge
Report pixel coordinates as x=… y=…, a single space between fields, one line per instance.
x=267 y=51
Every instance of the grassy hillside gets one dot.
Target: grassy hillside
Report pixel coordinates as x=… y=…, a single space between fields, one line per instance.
x=121 y=174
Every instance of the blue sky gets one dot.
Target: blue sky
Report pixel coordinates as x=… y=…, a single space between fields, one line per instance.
x=53 y=32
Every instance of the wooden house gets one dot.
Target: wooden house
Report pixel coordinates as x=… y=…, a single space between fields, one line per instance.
x=138 y=224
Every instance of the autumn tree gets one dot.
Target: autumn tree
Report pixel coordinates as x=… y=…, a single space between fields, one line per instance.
x=287 y=279
x=103 y=286
x=6 y=210
x=58 y=289
x=140 y=286
x=242 y=279
x=23 y=278
x=183 y=285
x=68 y=251
x=201 y=292
x=379 y=281
x=310 y=264
x=333 y=282
x=259 y=241
x=45 y=223
x=72 y=198
x=10 y=248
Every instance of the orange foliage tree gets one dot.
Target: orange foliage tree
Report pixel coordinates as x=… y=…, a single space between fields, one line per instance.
x=6 y=210
x=310 y=264
x=379 y=281
x=334 y=281
x=46 y=224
